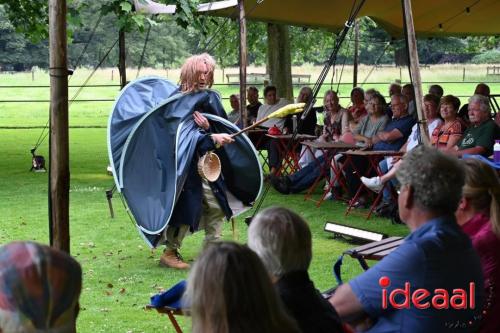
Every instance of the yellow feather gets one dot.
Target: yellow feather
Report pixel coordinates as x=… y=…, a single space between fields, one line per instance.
x=287 y=110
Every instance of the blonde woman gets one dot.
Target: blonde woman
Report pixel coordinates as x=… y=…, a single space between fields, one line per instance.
x=479 y=215
x=229 y=290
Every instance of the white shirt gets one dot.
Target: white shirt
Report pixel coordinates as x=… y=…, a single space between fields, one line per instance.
x=266 y=109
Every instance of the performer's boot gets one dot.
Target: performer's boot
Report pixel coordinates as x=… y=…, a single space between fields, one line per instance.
x=172 y=258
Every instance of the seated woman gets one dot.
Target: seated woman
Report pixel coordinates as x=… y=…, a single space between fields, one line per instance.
x=282 y=239
x=368 y=126
x=230 y=291
x=357 y=109
x=272 y=103
x=39 y=289
x=390 y=165
x=336 y=124
x=479 y=215
x=450 y=132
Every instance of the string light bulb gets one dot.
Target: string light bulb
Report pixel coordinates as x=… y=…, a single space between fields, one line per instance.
x=440 y=27
x=467 y=10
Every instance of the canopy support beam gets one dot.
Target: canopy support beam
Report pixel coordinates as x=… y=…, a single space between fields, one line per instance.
x=414 y=69
x=58 y=139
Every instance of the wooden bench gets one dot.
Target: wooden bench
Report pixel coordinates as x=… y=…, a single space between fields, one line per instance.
x=375 y=250
x=261 y=77
x=493 y=70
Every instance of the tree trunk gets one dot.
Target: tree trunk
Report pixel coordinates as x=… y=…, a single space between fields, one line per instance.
x=122 y=67
x=243 y=64
x=356 y=55
x=279 y=59
x=58 y=140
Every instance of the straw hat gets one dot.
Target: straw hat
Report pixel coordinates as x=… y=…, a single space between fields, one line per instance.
x=209 y=166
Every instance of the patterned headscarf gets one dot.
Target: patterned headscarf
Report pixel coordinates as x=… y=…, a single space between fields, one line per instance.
x=39 y=289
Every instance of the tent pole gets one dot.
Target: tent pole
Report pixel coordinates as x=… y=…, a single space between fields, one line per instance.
x=59 y=146
x=122 y=67
x=415 y=70
x=356 y=54
x=243 y=63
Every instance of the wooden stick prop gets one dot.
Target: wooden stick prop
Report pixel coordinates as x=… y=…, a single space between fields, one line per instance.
x=280 y=113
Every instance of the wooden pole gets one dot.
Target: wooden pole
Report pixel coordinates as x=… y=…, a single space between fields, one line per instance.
x=122 y=59
x=243 y=63
x=356 y=51
x=59 y=147
x=414 y=70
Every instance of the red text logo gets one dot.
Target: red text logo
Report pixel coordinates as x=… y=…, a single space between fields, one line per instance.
x=422 y=298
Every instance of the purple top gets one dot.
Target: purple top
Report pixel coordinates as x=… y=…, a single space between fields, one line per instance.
x=487 y=244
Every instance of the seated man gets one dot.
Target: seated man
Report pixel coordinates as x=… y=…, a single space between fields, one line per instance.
x=253 y=105
x=282 y=239
x=437 y=258
x=234 y=115
x=308 y=125
x=389 y=165
x=479 y=138
x=391 y=139
x=481 y=89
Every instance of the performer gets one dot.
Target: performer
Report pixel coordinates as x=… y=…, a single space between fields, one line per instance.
x=201 y=204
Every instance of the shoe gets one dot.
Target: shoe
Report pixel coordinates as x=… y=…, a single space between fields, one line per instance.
x=374 y=183
x=328 y=196
x=173 y=259
x=280 y=184
x=361 y=203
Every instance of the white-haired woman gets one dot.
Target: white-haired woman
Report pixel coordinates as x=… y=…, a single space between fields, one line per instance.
x=282 y=240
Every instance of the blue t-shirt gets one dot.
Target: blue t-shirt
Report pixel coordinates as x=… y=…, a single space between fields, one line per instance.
x=436 y=255
x=404 y=125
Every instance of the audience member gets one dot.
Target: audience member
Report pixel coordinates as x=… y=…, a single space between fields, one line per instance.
x=253 y=105
x=436 y=255
x=436 y=90
x=478 y=214
x=308 y=124
x=394 y=89
x=229 y=291
x=39 y=289
x=283 y=241
x=234 y=115
x=305 y=177
x=450 y=132
x=391 y=138
x=336 y=125
x=409 y=93
x=481 y=89
x=479 y=137
x=273 y=103
x=389 y=165
x=357 y=109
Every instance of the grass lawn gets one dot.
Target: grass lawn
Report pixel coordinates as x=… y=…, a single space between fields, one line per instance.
x=120 y=271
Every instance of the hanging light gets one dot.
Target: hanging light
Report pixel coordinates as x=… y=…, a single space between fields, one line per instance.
x=467 y=10
x=440 y=27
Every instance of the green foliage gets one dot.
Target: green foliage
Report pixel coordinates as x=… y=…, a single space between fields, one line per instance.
x=488 y=57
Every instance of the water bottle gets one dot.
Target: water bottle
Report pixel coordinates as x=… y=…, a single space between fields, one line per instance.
x=496 y=151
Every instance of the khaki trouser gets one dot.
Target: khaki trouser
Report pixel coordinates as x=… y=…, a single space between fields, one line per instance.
x=211 y=220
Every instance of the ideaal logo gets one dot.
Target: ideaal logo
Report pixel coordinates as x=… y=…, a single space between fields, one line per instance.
x=440 y=298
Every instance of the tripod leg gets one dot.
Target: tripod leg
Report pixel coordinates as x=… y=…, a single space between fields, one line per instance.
x=109 y=196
